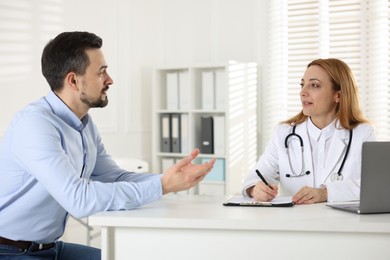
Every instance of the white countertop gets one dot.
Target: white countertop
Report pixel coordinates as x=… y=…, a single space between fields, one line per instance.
x=207 y=212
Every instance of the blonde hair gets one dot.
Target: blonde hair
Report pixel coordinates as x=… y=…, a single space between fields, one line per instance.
x=348 y=110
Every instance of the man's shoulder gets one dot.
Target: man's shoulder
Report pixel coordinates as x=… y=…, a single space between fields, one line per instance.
x=38 y=107
x=33 y=112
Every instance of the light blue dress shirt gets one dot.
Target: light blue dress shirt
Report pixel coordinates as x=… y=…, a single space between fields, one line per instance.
x=51 y=164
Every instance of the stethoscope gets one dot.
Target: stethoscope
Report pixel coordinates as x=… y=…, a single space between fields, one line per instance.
x=334 y=177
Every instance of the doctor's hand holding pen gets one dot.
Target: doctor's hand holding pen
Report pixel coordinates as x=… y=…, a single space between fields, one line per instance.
x=184 y=174
x=263 y=191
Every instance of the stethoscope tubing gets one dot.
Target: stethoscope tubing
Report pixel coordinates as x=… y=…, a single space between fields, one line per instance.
x=302 y=173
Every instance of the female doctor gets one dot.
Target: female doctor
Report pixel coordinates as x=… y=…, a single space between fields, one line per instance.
x=315 y=156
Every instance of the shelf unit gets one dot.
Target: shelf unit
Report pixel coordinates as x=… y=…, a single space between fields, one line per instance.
x=237 y=94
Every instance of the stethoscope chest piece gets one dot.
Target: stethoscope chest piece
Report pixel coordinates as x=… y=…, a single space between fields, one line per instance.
x=336 y=177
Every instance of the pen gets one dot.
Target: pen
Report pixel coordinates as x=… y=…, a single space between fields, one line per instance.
x=262 y=178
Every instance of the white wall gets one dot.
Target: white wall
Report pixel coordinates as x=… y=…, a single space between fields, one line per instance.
x=138 y=36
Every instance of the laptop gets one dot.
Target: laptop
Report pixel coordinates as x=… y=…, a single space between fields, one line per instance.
x=375 y=181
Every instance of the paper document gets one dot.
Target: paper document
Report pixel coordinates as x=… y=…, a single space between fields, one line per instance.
x=239 y=200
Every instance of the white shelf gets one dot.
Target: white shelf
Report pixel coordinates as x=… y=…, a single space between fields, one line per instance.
x=239 y=95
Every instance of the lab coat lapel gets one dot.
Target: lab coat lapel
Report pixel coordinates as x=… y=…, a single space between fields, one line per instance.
x=336 y=152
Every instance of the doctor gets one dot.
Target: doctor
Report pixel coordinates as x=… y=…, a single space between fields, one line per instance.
x=315 y=156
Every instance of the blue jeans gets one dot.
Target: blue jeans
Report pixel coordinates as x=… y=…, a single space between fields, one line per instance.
x=61 y=251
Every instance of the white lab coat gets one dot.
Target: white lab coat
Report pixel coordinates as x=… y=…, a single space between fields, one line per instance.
x=274 y=165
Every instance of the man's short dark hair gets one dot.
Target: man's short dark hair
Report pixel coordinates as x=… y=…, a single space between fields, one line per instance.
x=66 y=53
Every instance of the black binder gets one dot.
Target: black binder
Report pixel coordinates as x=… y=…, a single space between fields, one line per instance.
x=207 y=138
x=176 y=133
x=166 y=133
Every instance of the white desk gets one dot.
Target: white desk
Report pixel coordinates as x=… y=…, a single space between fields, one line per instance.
x=199 y=227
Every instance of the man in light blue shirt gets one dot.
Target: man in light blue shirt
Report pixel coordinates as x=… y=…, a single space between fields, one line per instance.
x=53 y=162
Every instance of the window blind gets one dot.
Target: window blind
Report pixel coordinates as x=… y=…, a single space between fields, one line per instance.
x=24 y=26
x=355 y=31
x=377 y=88
x=15 y=39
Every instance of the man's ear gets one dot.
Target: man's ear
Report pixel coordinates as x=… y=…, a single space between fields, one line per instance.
x=71 y=80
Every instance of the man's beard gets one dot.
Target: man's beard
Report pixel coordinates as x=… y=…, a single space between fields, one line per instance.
x=90 y=102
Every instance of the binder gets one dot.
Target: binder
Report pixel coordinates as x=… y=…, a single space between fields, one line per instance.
x=184 y=91
x=176 y=133
x=218 y=172
x=172 y=91
x=207 y=136
x=208 y=90
x=214 y=182
x=166 y=133
x=185 y=137
x=220 y=89
x=219 y=135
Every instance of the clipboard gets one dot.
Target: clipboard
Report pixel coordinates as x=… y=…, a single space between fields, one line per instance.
x=241 y=201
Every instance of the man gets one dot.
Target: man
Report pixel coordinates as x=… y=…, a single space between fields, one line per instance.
x=53 y=162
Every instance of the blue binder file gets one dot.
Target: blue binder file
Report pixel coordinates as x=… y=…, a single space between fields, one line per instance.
x=218 y=172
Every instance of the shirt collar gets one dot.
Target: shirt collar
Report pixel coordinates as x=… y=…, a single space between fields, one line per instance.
x=61 y=110
x=316 y=133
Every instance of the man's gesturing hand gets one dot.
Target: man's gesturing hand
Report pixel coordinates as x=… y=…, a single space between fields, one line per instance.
x=184 y=174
